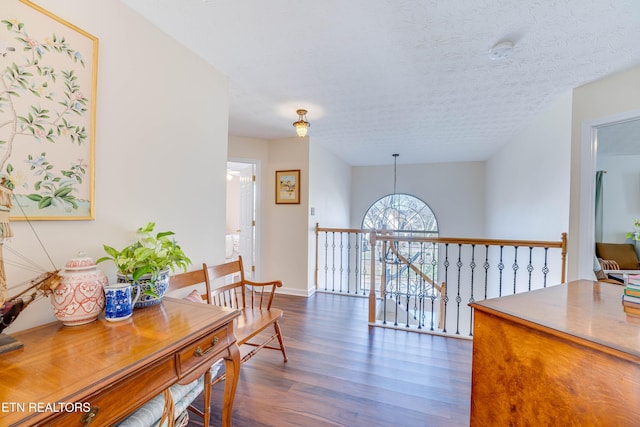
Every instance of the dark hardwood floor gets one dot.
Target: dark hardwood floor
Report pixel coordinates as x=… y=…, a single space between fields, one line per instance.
x=341 y=372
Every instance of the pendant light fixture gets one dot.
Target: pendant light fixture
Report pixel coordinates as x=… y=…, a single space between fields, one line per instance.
x=302 y=125
x=391 y=210
x=395 y=171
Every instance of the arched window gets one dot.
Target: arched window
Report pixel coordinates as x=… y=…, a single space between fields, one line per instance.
x=411 y=266
x=403 y=215
x=400 y=213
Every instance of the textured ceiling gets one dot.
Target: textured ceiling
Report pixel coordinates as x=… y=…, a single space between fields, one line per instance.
x=400 y=76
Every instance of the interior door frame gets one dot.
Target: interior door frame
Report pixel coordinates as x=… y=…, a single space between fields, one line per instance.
x=257 y=209
x=589 y=151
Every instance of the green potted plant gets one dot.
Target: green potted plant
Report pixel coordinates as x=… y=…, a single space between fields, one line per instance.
x=147 y=263
x=635 y=234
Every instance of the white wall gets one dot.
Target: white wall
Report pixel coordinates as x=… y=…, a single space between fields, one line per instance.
x=161 y=148
x=330 y=188
x=330 y=197
x=455 y=192
x=287 y=239
x=527 y=181
x=621 y=196
x=594 y=102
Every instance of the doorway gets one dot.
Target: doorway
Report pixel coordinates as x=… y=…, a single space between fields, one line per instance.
x=618 y=160
x=241 y=215
x=591 y=140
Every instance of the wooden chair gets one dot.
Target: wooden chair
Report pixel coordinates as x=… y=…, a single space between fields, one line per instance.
x=253 y=299
x=599 y=267
x=227 y=287
x=190 y=279
x=609 y=264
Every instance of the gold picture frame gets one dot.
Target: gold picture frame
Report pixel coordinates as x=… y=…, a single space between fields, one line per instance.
x=48 y=120
x=288 y=187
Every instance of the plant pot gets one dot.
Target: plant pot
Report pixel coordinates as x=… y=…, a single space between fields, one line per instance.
x=159 y=286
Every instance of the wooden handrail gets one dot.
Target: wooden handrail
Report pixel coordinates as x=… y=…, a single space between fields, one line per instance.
x=468 y=241
x=454 y=240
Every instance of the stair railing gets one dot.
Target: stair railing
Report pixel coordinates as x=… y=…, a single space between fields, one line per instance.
x=425 y=283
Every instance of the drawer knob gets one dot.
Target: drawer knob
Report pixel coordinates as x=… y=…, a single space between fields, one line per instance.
x=198 y=352
x=90 y=416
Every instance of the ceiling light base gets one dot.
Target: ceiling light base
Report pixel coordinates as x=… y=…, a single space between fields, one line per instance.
x=501 y=50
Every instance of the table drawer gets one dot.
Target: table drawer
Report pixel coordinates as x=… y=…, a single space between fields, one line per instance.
x=114 y=403
x=195 y=359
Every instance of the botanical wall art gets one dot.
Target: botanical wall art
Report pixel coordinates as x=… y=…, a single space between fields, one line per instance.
x=288 y=187
x=47 y=113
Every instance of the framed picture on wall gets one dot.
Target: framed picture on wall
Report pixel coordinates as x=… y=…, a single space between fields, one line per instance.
x=288 y=187
x=47 y=114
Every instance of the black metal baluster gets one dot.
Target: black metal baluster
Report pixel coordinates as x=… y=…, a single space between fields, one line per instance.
x=458 y=297
x=387 y=292
x=363 y=264
x=446 y=289
x=419 y=297
x=357 y=262
x=397 y=289
x=486 y=266
x=326 y=259
x=333 y=261
x=434 y=279
x=348 y=262
x=530 y=266
x=408 y=284
x=424 y=267
x=515 y=267
x=471 y=300
x=500 y=268
x=545 y=269
x=341 y=259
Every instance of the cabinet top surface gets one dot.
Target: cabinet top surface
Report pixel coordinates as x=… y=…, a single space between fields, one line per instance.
x=64 y=363
x=583 y=309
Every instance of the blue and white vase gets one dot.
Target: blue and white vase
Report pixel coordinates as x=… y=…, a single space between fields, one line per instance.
x=147 y=287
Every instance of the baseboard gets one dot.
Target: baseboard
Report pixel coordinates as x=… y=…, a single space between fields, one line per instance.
x=296 y=292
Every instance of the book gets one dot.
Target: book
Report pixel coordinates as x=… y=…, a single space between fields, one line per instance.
x=631 y=308
x=632 y=304
x=632 y=292
x=633 y=282
x=631 y=299
x=633 y=318
x=632 y=285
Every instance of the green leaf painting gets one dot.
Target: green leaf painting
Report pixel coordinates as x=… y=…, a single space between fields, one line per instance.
x=46 y=113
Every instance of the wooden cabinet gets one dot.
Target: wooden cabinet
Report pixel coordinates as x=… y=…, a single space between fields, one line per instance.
x=111 y=369
x=561 y=356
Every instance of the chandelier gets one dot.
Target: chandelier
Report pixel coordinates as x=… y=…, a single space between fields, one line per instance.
x=302 y=125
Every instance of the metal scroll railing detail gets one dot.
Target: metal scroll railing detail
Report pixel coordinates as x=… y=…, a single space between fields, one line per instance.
x=426 y=283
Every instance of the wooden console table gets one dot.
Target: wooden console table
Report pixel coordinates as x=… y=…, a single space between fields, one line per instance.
x=103 y=371
x=562 y=356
